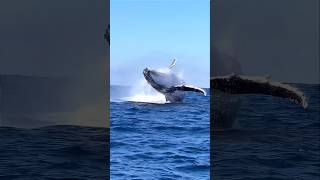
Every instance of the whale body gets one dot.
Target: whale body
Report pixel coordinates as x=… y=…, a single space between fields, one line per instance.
x=170 y=85
x=227 y=84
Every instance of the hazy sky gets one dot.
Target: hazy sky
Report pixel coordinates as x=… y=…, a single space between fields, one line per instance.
x=53 y=38
x=58 y=38
x=279 y=38
x=151 y=33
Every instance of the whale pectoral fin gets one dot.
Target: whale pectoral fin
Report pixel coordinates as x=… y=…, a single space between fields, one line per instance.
x=236 y=84
x=188 y=88
x=173 y=63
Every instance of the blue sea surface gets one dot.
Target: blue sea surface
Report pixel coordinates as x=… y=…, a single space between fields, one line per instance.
x=54 y=152
x=43 y=137
x=160 y=141
x=275 y=139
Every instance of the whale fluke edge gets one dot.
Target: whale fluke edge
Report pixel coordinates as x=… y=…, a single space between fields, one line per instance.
x=240 y=84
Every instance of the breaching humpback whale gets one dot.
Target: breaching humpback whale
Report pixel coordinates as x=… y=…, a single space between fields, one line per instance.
x=239 y=84
x=170 y=85
x=227 y=84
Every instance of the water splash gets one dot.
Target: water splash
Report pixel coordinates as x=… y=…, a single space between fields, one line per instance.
x=143 y=92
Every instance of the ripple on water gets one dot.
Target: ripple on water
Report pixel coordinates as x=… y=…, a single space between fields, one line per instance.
x=276 y=139
x=168 y=141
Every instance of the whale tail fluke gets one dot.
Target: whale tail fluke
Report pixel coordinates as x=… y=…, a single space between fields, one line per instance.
x=187 y=88
x=238 y=84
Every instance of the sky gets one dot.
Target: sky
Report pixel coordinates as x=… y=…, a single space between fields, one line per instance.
x=53 y=38
x=150 y=34
x=59 y=39
x=279 y=38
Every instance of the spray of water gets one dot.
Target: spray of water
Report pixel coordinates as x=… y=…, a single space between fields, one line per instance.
x=143 y=92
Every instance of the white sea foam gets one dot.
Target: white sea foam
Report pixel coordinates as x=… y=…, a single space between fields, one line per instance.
x=143 y=92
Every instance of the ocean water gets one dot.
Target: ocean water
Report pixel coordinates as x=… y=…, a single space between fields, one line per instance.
x=273 y=139
x=157 y=140
x=35 y=145
x=54 y=152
